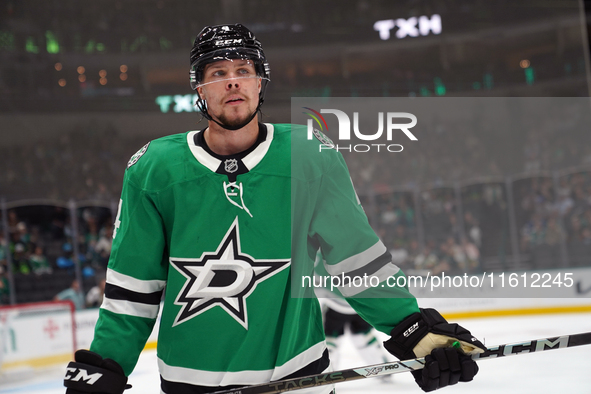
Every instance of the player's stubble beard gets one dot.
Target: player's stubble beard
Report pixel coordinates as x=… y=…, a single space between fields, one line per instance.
x=223 y=119
x=236 y=121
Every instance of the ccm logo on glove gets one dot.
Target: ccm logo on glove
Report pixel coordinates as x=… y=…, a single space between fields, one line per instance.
x=412 y=329
x=82 y=374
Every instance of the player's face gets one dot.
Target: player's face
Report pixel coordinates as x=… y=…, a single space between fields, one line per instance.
x=231 y=90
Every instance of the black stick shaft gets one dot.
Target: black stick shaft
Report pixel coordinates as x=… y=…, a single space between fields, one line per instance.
x=537 y=345
x=346 y=375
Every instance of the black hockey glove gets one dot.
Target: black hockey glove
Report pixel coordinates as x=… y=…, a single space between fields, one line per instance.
x=427 y=334
x=90 y=373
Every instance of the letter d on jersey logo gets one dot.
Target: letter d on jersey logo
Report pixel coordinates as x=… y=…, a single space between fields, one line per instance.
x=222 y=278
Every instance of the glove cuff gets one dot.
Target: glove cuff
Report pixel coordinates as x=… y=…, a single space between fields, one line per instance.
x=91 y=379
x=407 y=334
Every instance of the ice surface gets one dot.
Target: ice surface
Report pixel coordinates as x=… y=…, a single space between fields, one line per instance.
x=558 y=371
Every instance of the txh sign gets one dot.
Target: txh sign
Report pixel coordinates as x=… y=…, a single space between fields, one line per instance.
x=411 y=27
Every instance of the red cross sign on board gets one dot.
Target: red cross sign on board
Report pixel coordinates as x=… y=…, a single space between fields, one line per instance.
x=50 y=328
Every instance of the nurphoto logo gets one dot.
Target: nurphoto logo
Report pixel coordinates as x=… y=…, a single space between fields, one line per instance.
x=392 y=120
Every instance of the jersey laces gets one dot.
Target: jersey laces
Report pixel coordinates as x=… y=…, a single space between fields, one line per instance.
x=232 y=186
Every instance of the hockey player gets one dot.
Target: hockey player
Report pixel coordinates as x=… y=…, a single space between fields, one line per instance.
x=225 y=219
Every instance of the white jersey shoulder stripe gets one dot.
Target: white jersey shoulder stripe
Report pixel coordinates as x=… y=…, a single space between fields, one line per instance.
x=122 y=307
x=357 y=261
x=137 y=285
x=382 y=274
x=213 y=378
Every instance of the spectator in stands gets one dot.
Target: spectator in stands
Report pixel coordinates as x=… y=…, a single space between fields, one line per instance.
x=90 y=233
x=58 y=224
x=102 y=248
x=73 y=294
x=12 y=221
x=400 y=236
x=454 y=226
x=389 y=215
x=580 y=201
x=445 y=259
x=19 y=259
x=554 y=232
x=22 y=233
x=564 y=188
x=458 y=254
x=413 y=252
x=533 y=233
x=35 y=237
x=576 y=230
x=94 y=297
x=427 y=260
x=3 y=249
x=472 y=254
x=564 y=205
x=39 y=263
x=406 y=214
x=65 y=261
x=4 y=287
x=474 y=232
x=399 y=253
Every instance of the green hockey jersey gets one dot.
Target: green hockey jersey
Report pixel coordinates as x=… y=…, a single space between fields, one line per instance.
x=228 y=239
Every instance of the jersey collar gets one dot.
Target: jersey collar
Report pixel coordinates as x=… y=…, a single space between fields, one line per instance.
x=212 y=163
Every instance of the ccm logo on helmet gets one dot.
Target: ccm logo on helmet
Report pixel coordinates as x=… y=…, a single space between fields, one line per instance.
x=232 y=41
x=82 y=375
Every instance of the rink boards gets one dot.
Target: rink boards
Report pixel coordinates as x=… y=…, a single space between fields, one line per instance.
x=43 y=341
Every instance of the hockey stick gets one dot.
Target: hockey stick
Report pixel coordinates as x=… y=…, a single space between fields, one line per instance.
x=370 y=371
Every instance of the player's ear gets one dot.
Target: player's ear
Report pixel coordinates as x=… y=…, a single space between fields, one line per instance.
x=260 y=83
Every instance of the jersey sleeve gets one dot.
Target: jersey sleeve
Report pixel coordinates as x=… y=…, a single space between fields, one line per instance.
x=354 y=255
x=136 y=277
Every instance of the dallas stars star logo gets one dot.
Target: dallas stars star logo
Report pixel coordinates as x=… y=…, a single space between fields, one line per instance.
x=223 y=278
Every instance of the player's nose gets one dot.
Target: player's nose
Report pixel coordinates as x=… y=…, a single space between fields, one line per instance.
x=234 y=82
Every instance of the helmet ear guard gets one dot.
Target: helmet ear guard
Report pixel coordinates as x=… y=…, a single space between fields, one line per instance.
x=193 y=79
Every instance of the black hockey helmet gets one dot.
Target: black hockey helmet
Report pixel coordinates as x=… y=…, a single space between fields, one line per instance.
x=226 y=42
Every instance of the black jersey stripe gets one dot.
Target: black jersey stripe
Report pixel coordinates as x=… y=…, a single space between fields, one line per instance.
x=373 y=266
x=119 y=293
x=315 y=367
